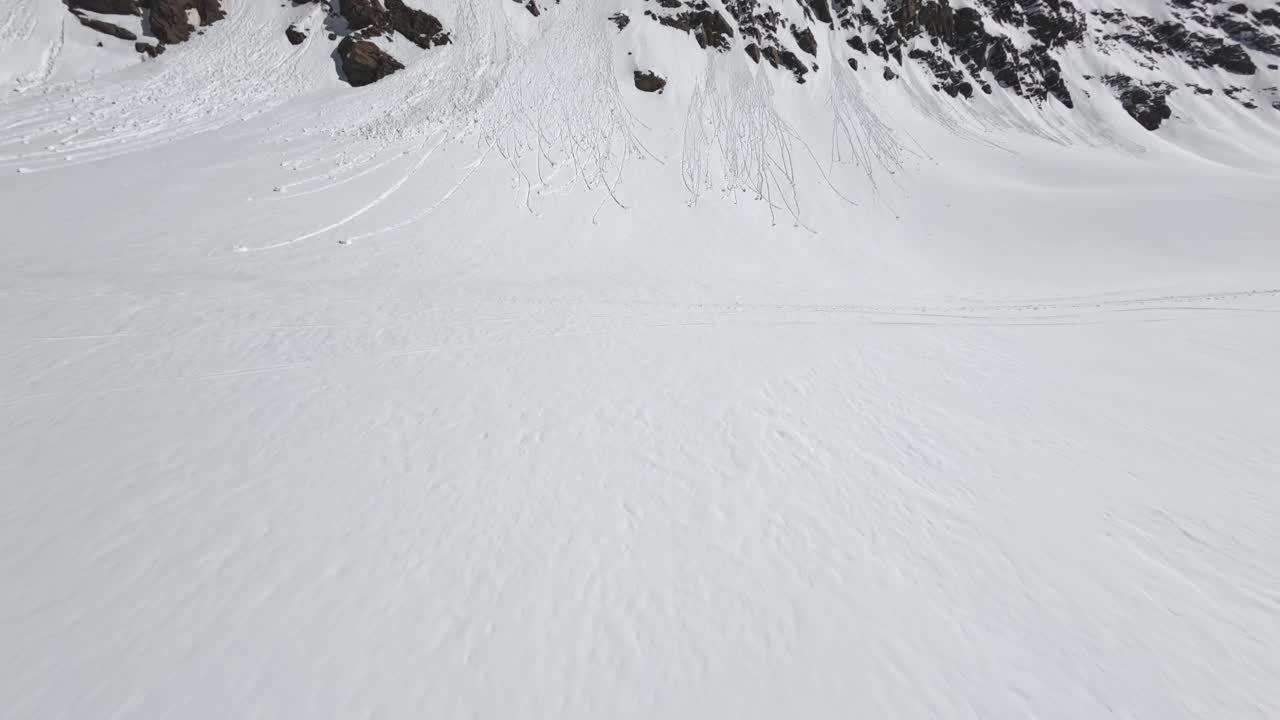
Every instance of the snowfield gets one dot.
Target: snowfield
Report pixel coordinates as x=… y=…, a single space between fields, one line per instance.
x=501 y=390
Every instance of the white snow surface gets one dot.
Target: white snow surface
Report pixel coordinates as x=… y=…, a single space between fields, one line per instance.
x=500 y=390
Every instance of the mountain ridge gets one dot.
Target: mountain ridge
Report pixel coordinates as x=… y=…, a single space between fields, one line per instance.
x=1013 y=45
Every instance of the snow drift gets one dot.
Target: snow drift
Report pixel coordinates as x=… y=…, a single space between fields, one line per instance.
x=505 y=385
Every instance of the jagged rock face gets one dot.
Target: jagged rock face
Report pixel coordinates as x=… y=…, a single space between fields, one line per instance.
x=364 y=63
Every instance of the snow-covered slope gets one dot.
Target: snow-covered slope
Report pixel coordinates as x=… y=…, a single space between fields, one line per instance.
x=501 y=388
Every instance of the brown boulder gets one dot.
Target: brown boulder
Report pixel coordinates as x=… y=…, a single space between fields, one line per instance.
x=364 y=63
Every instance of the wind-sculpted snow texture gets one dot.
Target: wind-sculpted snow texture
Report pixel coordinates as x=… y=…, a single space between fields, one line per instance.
x=639 y=359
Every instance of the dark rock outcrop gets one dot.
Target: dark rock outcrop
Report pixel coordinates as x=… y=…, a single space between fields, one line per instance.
x=649 y=82
x=1144 y=103
x=1241 y=30
x=821 y=10
x=168 y=18
x=364 y=63
x=107 y=7
x=950 y=80
x=361 y=14
x=296 y=36
x=1233 y=59
x=107 y=28
x=420 y=28
x=708 y=26
x=169 y=21
x=805 y=39
x=210 y=10
x=370 y=18
x=788 y=60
